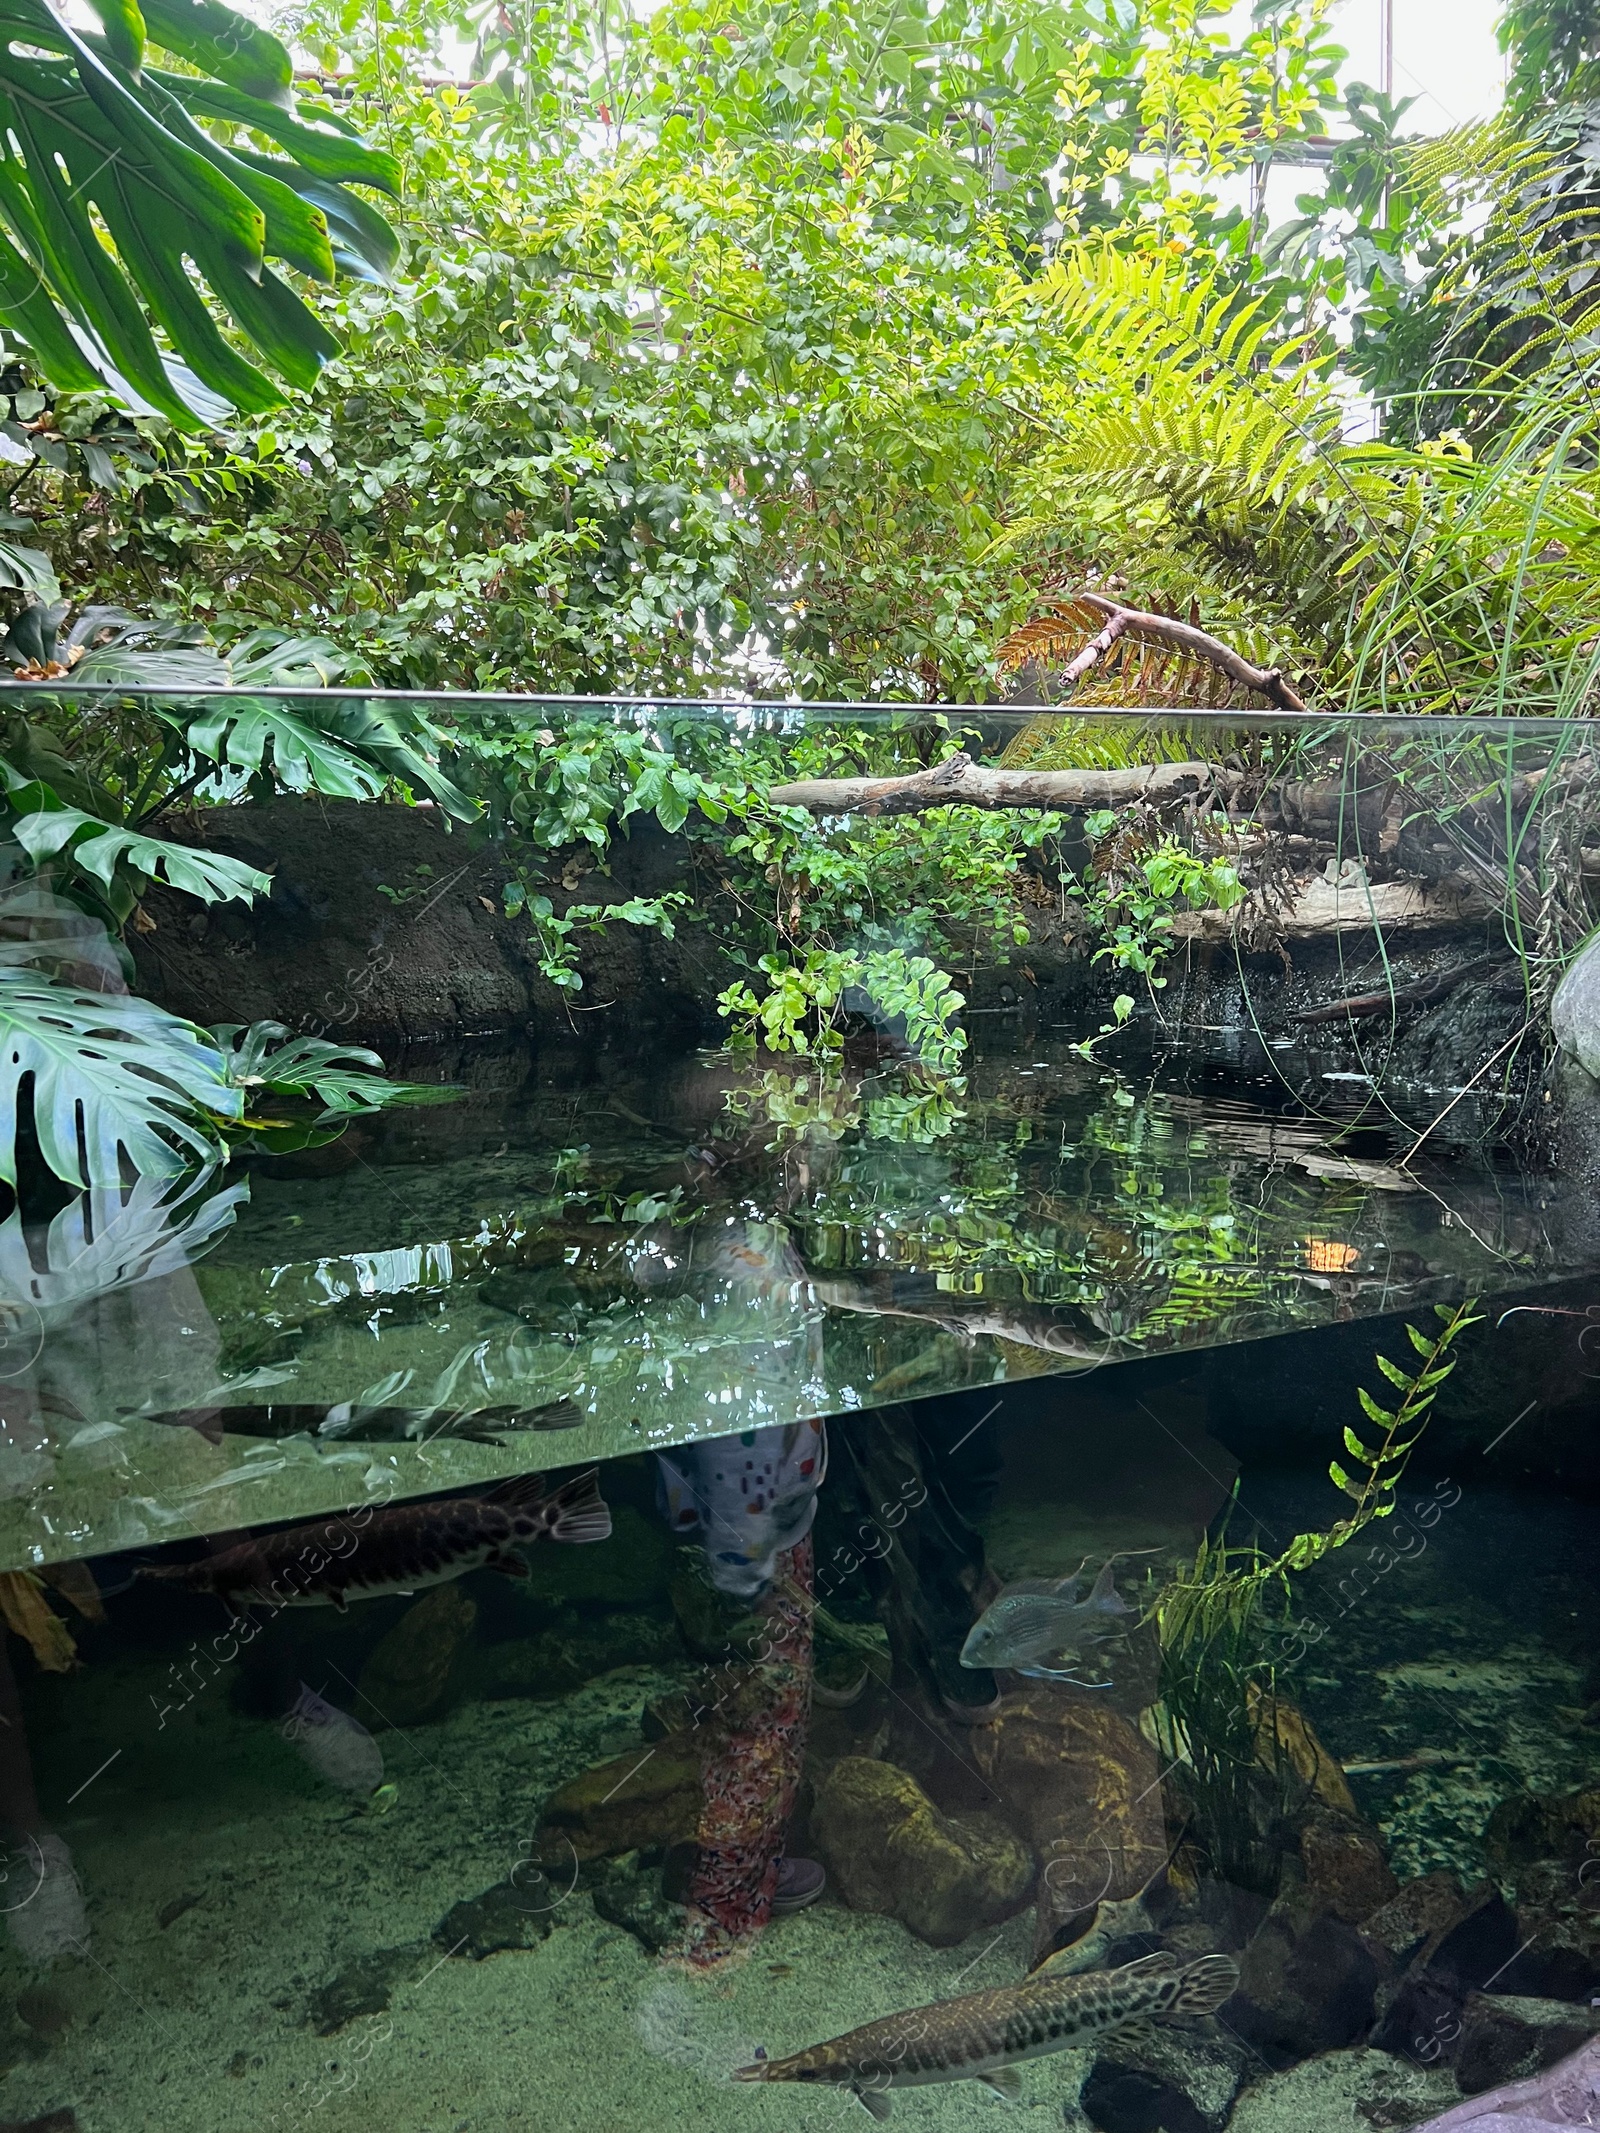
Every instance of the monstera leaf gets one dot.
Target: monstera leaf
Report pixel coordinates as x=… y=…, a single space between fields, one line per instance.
x=117 y=1083
x=346 y=747
x=95 y=144
x=105 y=1240
x=312 y=1088
x=45 y=828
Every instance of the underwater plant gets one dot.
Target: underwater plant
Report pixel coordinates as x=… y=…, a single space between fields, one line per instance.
x=1222 y=1622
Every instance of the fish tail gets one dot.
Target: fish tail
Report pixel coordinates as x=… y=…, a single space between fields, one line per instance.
x=578 y=1512
x=174 y=1573
x=1204 y=1986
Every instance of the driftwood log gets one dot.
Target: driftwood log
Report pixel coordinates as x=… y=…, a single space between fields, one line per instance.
x=959 y=781
x=1304 y=805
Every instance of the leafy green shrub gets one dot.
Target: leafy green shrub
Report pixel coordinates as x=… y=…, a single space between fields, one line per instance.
x=806 y=1002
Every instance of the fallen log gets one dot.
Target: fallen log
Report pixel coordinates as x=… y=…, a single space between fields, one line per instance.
x=959 y=781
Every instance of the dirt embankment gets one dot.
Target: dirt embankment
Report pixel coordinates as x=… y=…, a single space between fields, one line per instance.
x=388 y=927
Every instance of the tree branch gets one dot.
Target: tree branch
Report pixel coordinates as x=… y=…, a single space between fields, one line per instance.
x=1266 y=681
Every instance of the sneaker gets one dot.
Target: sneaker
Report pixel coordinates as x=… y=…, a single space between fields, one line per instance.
x=800 y=1881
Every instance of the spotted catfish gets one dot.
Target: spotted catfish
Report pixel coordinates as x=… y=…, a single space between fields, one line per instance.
x=364 y=1554
x=986 y=2036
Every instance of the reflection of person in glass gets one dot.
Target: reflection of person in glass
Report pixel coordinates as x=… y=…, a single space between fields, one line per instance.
x=751 y=1499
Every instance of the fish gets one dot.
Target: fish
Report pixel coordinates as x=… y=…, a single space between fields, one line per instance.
x=352 y=1423
x=399 y=1548
x=965 y=1318
x=1036 y=1620
x=987 y=2036
x=338 y=1747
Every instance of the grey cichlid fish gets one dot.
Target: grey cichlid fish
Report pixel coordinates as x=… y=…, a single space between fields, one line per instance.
x=986 y=2036
x=1038 y=1623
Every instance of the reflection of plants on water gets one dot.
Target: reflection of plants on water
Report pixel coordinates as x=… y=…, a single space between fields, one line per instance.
x=828 y=1105
x=1108 y=1213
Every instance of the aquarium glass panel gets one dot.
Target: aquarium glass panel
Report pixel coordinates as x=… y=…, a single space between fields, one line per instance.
x=762 y=1414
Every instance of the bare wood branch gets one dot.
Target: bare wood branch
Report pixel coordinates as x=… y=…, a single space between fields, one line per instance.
x=1267 y=681
x=1422 y=994
x=1096 y=649
x=960 y=782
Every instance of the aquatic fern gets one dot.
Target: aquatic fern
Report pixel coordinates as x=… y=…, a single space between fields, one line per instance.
x=1372 y=1489
x=1218 y=1712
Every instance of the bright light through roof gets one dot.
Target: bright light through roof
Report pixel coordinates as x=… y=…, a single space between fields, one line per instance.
x=1444 y=55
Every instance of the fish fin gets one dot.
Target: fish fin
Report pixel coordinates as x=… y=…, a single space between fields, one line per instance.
x=1103 y=1592
x=1139 y=2033
x=1162 y=1964
x=579 y=1512
x=522 y=1491
x=340 y=1599
x=508 y=1565
x=874 y=2100
x=1206 y=1984
x=1005 y=2082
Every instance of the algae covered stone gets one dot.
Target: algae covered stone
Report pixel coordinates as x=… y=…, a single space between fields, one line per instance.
x=409 y=1674
x=890 y=1850
x=1081 y=1786
x=650 y=1796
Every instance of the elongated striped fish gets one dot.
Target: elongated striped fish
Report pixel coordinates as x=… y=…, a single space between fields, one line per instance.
x=400 y=1547
x=986 y=2036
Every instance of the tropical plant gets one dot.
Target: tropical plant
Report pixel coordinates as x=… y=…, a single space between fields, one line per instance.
x=796 y=469
x=166 y=162
x=109 y=1087
x=1225 y=1622
x=806 y=1002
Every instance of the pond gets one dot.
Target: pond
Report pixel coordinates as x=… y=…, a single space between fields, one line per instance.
x=566 y=1607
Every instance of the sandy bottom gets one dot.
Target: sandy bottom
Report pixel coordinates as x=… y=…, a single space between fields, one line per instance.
x=202 y=2026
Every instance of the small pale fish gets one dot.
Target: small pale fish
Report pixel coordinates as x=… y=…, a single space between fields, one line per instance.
x=987 y=2036
x=337 y=1746
x=1040 y=1627
x=401 y=1547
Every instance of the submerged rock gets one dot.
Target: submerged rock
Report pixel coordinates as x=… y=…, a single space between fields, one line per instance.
x=1575 y=1009
x=632 y=1895
x=1345 y=1865
x=1081 y=1785
x=1307 y=1983
x=890 y=1850
x=647 y=1797
x=1182 y=2080
x=1421 y=2016
x=365 y=1986
x=502 y=1918
x=1419 y=1911
x=1565 y=2096
x=1507 y=2038
x=409 y=1673
x=1531 y=1827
